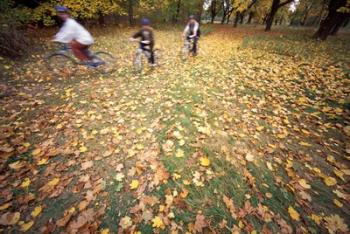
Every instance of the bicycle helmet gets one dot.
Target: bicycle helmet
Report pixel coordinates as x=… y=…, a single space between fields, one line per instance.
x=191 y=17
x=145 y=22
x=61 y=9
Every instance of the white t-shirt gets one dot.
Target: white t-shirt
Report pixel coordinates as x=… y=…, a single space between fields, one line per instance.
x=72 y=30
x=191 y=31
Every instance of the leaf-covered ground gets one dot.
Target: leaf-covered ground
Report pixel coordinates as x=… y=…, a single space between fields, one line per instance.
x=251 y=136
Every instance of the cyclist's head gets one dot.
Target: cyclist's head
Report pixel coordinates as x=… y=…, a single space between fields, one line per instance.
x=191 y=18
x=145 y=22
x=62 y=12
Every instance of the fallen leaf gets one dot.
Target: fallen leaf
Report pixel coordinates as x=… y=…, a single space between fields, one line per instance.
x=119 y=177
x=157 y=222
x=204 y=161
x=25 y=183
x=83 y=149
x=330 y=181
x=26 y=226
x=334 y=224
x=53 y=182
x=125 y=222
x=200 y=223
x=249 y=157
x=293 y=213
x=9 y=218
x=37 y=211
x=5 y=206
x=180 y=153
x=304 y=184
x=87 y=165
x=134 y=184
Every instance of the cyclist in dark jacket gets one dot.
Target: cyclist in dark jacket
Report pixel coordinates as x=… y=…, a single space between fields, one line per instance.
x=147 y=38
x=192 y=32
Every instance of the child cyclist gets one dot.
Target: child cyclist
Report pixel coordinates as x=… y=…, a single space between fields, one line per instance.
x=76 y=36
x=192 y=32
x=147 y=39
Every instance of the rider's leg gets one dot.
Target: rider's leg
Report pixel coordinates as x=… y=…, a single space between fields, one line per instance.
x=149 y=49
x=79 y=50
x=195 y=47
x=151 y=58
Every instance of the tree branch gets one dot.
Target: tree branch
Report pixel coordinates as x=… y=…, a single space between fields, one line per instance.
x=285 y=3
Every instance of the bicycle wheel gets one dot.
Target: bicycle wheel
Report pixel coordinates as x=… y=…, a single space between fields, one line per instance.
x=61 y=64
x=107 y=60
x=158 y=57
x=138 y=62
x=185 y=53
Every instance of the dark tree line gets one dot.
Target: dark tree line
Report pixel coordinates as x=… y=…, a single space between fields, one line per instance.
x=335 y=19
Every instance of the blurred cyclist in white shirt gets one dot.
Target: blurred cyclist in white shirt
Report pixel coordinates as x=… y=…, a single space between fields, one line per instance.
x=74 y=34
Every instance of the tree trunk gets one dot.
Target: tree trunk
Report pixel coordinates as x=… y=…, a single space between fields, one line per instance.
x=303 y=21
x=223 y=18
x=251 y=14
x=333 y=19
x=131 y=12
x=271 y=15
x=346 y=21
x=236 y=19
x=228 y=17
x=276 y=4
x=200 y=12
x=241 y=18
x=176 y=16
x=338 y=25
x=213 y=11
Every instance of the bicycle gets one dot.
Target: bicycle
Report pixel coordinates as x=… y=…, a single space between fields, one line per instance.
x=142 y=54
x=187 y=49
x=63 y=61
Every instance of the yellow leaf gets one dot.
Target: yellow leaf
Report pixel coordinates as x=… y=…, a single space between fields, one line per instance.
x=180 y=153
x=338 y=203
x=5 y=206
x=125 y=222
x=26 y=226
x=330 y=181
x=134 y=184
x=158 y=223
x=82 y=149
x=340 y=174
x=204 y=161
x=186 y=182
x=25 y=183
x=293 y=213
x=37 y=210
x=304 y=144
x=105 y=231
x=36 y=152
x=53 y=182
x=304 y=184
x=42 y=162
x=27 y=144
x=317 y=219
x=331 y=159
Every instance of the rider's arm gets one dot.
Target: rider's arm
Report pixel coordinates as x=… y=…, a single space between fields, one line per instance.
x=195 y=30
x=66 y=33
x=187 y=29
